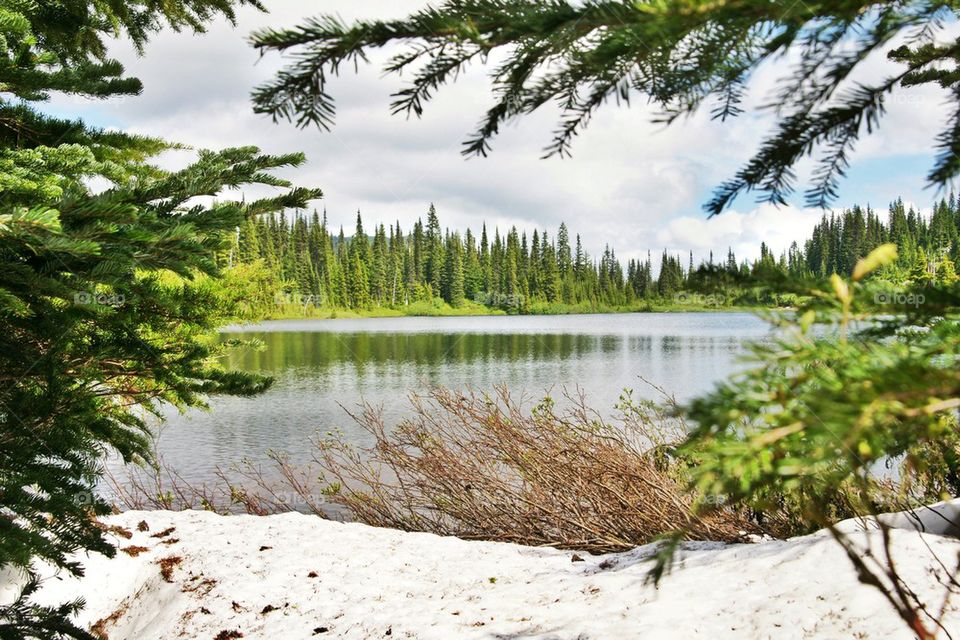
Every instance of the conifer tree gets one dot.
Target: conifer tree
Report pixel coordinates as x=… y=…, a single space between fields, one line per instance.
x=434 y=258
x=473 y=272
x=395 y=266
x=670 y=280
x=378 y=267
x=107 y=298
x=533 y=272
x=920 y=273
x=455 y=274
x=551 y=277
x=485 y=262
x=946 y=272
x=564 y=258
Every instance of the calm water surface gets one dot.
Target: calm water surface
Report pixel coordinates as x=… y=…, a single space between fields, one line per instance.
x=320 y=365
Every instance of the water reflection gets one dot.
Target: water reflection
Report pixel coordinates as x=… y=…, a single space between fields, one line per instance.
x=322 y=366
x=321 y=351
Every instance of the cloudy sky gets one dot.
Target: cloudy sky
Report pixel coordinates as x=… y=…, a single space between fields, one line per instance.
x=632 y=184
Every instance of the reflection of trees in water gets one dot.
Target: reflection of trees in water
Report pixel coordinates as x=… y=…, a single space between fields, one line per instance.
x=321 y=350
x=318 y=351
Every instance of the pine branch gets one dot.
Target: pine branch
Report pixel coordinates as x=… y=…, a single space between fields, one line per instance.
x=678 y=54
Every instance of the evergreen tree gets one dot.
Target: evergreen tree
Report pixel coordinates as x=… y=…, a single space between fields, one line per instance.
x=946 y=272
x=580 y=260
x=379 y=267
x=455 y=272
x=920 y=273
x=670 y=280
x=473 y=271
x=564 y=258
x=550 y=275
x=435 y=258
x=486 y=264
x=529 y=267
x=248 y=242
x=108 y=297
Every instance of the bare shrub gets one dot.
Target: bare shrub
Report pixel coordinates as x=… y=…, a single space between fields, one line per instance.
x=244 y=487
x=476 y=466
x=480 y=467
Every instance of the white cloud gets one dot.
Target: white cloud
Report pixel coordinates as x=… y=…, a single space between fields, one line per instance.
x=743 y=232
x=631 y=183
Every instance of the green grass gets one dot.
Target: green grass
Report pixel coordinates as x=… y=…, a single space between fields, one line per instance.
x=439 y=308
x=297 y=312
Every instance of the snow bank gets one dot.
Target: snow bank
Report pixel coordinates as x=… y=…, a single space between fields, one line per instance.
x=942 y=519
x=199 y=575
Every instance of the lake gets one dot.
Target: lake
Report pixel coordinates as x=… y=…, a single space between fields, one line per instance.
x=320 y=365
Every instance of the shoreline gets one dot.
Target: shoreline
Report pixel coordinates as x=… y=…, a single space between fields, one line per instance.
x=451 y=312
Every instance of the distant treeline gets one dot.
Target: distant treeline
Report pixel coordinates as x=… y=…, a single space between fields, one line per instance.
x=928 y=247
x=307 y=263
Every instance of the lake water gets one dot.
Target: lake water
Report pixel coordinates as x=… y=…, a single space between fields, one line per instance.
x=320 y=365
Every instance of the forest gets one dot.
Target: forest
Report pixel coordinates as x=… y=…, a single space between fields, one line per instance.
x=302 y=265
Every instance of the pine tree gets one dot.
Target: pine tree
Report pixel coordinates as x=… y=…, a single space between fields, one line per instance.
x=419 y=253
x=455 y=273
x=396 y=265
x=946 y=272
x=511 y=285
x=535 y=275
x=249 y=242
x=530 y=270
x=485 y=262
x=340 y=277
x=379 y=267
x=109 y=296
x=435 y=257
x=670 y=280
x=473 y=271
x=580 y=260
x=551 y=278
x=564 y=258
x=920 y=273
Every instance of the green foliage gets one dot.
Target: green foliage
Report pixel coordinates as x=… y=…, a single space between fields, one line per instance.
x=25 y=621
x=679 y=54
x=109 y=299
x=849 y=410
x=314 y=268
x=311 y=269
x=839 y=393
x=61 y=46
x=108 y=302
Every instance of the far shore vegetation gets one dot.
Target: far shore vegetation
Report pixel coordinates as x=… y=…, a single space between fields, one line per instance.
x=294 y=266
x=437 y=308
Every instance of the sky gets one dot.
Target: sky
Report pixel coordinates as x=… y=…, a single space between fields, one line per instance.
x=634 y=185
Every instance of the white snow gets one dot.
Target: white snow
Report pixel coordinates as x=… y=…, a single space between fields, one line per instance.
x=375 y=583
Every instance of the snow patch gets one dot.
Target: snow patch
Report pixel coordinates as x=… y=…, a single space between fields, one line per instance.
x=297 y=576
